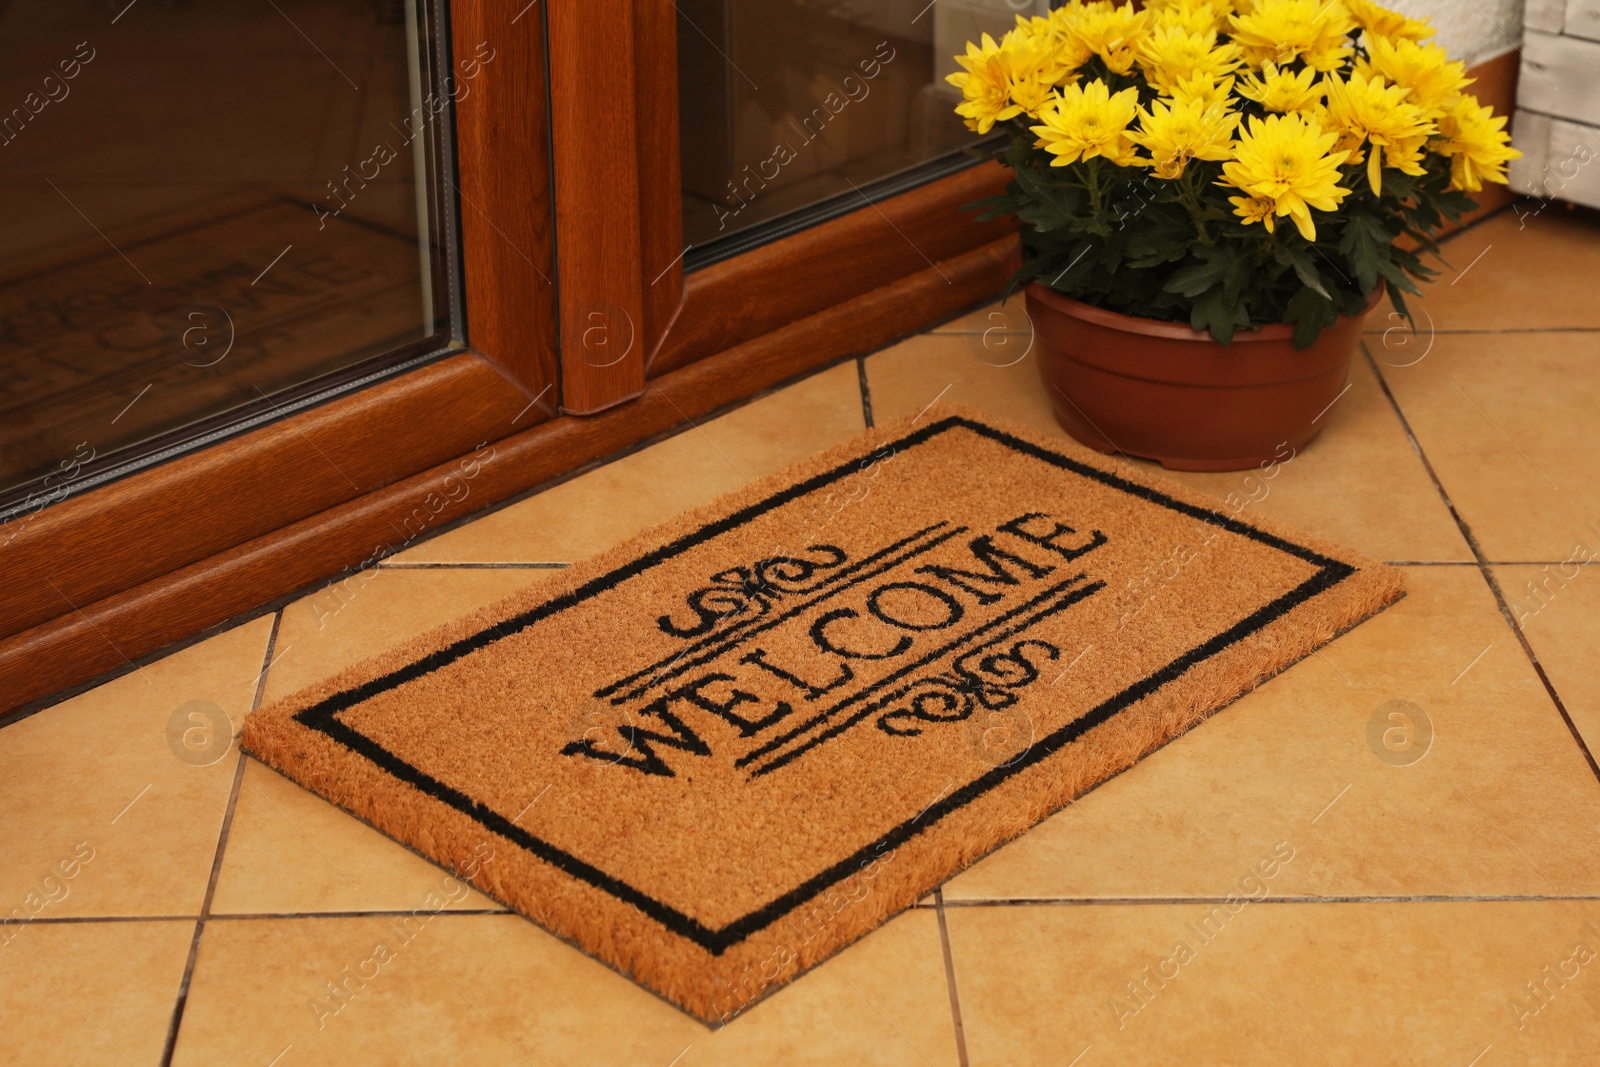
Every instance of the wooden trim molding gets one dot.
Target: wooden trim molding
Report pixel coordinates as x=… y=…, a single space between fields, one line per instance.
x=91 y=546
x=617 y=201
x=745 y=297
x=503 y=189
x=110 y=633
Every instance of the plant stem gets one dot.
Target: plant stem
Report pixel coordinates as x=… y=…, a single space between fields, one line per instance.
x=1192 y=201
x=1093 y=171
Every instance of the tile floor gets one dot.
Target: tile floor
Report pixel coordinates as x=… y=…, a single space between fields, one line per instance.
x=1440 y=905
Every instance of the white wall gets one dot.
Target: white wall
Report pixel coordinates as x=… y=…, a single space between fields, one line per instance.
x=1473 y=30
x=1557 y=126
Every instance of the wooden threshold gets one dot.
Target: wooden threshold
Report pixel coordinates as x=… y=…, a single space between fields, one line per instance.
x=148 y=524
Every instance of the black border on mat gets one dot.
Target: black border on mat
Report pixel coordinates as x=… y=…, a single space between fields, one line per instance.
x=323 y=715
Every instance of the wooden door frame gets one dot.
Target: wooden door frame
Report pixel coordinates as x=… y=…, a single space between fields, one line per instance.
x=133 y=541
x=619 y=214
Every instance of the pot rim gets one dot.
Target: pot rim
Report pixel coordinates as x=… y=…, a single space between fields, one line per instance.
x=1172 y=331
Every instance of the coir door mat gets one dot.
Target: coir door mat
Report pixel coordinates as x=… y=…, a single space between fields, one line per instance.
x=725 y=749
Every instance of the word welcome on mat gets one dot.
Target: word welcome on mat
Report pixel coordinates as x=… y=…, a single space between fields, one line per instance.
x=725 y=749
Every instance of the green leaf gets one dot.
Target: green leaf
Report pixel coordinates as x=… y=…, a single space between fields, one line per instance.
x=1366 y=244
x=1398 y=299
x=1304 y=267
x=1215 y=262
x=1311 y=314
x=1398 y=279
x=1215 y=312
x=1050 y=205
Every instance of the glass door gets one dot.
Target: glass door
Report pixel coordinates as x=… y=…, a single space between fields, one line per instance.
x=217 y=213
x=792 y=111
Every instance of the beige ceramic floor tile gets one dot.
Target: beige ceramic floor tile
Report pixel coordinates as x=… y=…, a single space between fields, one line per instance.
x=496 y=989
x=94 y=785
x=1506 y=273
x=90 y=993
x=1507 y=420
x=291 y=852
x=965 y=369
x=1494 y=806
x=368 y=613
x=1360 y=483
x=999 y=321
x=1278 y=984
x=596 y=510
x=1559 y=608
x=288 y=850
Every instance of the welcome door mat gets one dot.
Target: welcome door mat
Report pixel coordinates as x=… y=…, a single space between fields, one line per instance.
x=725 y=749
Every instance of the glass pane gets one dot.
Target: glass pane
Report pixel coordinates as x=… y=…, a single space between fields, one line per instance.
x=784 y=104
x=212 y=207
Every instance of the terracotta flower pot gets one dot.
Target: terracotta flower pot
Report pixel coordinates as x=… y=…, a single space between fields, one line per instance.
x=1162 y=391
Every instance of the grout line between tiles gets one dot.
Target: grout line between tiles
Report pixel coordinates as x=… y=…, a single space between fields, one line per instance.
x=950 y=979
x=866 y=391
x=1484 y=567
x=1493 y=563
x=378 y=913
x=1523 y=329
x=940 y=903
x=472 y=566
x=1416 y=898
x=216 y=859
x=78 y=920
x=253 y=916
x=1364 y=333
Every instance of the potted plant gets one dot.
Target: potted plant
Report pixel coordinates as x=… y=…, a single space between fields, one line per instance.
x=1213 y=193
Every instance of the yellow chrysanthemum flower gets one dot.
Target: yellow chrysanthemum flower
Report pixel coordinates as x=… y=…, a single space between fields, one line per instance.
x=1426 y=70
x=1282 y=90
x=1002 y=81
x=1087 y=121
x=1031 y=28
x=1171 y=55
x=1210 y=90
x=1195 y=16
x=1063 y=23
x=1281 y=31
x=1290 y=161
x=1254 y=209
x=1064 y=51
x=1476 y=141
x=1174 y=135
x=1381 y=22
x=1032 y=70
x=1367 y=112
x=1054 y=32
x=1112 y=33
x=985 y=86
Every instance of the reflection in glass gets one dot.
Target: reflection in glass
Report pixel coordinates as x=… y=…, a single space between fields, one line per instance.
x=784 y=104
x=211 y=207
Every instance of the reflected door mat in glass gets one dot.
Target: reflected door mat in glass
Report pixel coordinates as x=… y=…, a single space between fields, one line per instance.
x=723 y=750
